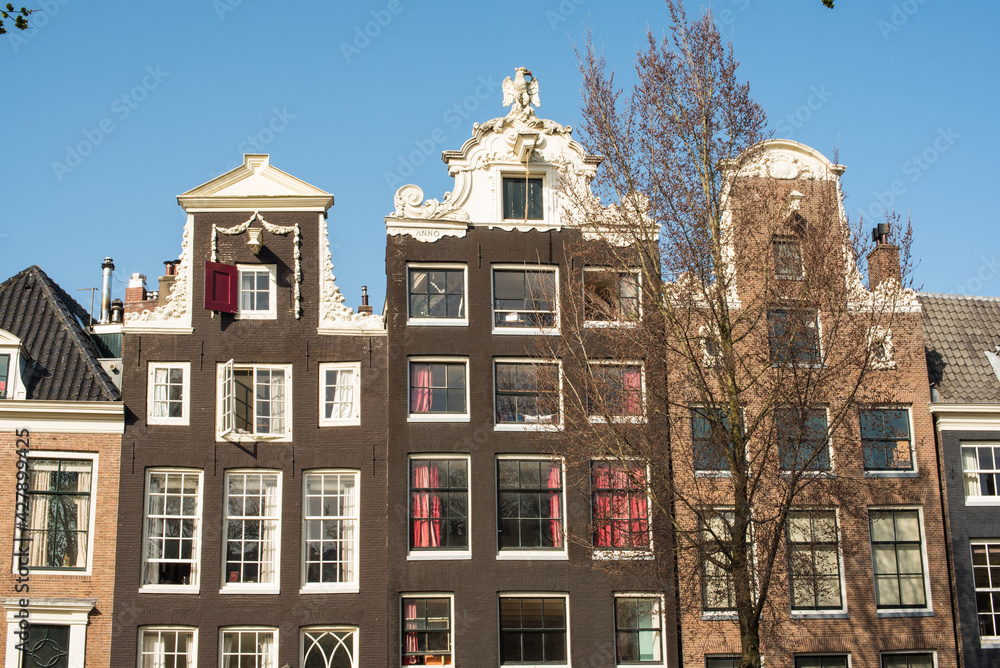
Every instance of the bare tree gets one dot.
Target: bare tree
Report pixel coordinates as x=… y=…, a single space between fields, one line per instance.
x=719 y=343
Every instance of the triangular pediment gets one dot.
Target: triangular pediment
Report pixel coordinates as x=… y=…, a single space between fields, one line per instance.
x=256 y=185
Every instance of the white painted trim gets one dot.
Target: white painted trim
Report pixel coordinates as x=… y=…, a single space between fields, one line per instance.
x=252 y=587
x=193 y=630
x=531 y=554
x=70 y=612
x=355 y=418
x=622 y=419
x=439 y=322
x=271 y=313
x=320 y=628
x=195 y=586
x=602 y=269
x=272 y=661
x=539 y=594
x=437 y=417
x=662 y=613
x=327 y=587
x=451 y=615
x=434 y=553
x=248 y=437
x=61 y=417
x=529 y=426
x=184 y=419
x=525 y=331
x=928 y=609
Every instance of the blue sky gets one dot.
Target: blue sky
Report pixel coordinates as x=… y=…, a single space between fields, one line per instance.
x=358 y=98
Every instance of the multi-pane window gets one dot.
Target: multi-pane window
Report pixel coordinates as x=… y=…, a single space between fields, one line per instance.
x=787 y=254
x=821 y=661
x=638 y=630
x=59 y=513
x=330 y=527
x=255 y=400
x=256 y=291
x=439 y=504
x=527 y=393
x=722 y=662
x=909 y=660
x=522 y=198
x=524 y=298
x=885 y=439
x=4 y=370
x=249 y=648
x=711 y=438
x=333 y=647
x=530 y=504
x=793 y=335
x=717 y=591
x=897 y=557
x=339 y=396
x=620 y=505
x=814 y=560
x=981 y=466
x=437 y=293
x=438 y=388
x=802 y=439
x=426 y=631
x=47 y=646
x=986 y=574
x=610 y=296
x=167 y=647
x=168 y=400
x=614 y=391
x=253 y=516
x=173 y=515
x=533 y=630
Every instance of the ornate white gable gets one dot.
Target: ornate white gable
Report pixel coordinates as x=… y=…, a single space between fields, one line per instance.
x=518 y=144
x=256 y=186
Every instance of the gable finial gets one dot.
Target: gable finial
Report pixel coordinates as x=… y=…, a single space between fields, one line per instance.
x=520 y=93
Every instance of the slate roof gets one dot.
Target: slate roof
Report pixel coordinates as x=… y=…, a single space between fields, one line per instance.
x=62 y=358
x=958 y=331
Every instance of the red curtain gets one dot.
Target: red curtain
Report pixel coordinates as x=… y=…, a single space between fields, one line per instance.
x=420 y=388
x=633 y=391
x=639 y=509
x=555 y=506
x=621 y=509
x=410 y=637
x=426 y=505
x=602 y=506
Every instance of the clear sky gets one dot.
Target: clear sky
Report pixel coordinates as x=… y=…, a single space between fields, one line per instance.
x=113 y=109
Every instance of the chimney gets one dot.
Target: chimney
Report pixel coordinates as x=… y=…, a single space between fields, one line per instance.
x=883 y=260
x=136 y=290
x=117 y=308
x=364 y=308
x=107 y=266
x=167 y=281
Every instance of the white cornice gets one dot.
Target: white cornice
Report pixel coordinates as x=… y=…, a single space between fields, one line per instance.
x=256 y=185
x=82 y=417
x=966 y=417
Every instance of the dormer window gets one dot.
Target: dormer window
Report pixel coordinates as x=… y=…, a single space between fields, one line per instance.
x=4 y=367
x=12 y=361
x=522 y=198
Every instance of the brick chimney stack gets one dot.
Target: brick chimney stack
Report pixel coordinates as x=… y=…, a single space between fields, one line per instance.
x=883 y=260
x=167 y=280
x=365 y=308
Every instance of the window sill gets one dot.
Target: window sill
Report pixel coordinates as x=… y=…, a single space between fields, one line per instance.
x=982 y=501
x=330 y=588
x=820 y=614
x=251 y=438
x=241 y=588
x=892 y=474
x=438 y=322
x=352 y=422
x=250 y=315
x=713 y=474
x=883 y=614
x=440 y=417
x=55 y=571
x=526 y=331
x=443 y=555
x=989 y=643
x=599 y=324
x=170 y=589
x=719 y=616
x=617 y=419
x=532 y=555
x=810 y=474
x=168 y=422
x=527 y=426
x=602 y=554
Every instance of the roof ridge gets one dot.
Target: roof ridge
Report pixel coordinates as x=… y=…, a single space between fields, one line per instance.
x=946 y=295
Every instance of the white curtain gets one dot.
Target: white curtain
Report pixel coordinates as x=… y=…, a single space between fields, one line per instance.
x=82 y=506
x=341 y=381
x=277 y=401
x=970 y=465
x=160 y=387
x=265 y=645
x=38 y=525
x=230 y=660
x=269 y=529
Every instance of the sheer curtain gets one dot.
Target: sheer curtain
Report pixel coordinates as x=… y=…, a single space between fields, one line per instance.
x=426 y=505
x=633 y=391
x=82 y=507
x=229 y=645
x=555 y=506
x=412 y=643
x=277 y=412
x=970 y=464
x=420 y=388
x=160 y=387
x=41 y=479
x=269 y=530
x=265 y=646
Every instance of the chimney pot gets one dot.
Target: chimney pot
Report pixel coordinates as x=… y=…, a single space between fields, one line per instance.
x=365 y=308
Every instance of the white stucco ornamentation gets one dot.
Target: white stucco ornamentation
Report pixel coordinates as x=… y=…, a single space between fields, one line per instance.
x=176 y=313
x=882 y=348
x=335 y=317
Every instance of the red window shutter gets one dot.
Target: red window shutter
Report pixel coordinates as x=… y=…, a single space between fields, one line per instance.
x=221 y=287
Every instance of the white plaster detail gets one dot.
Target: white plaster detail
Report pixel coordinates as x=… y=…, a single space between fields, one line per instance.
x=335 y=317
x=410 y=203
x=255 y=185
x=175 y=315
x=882 y=348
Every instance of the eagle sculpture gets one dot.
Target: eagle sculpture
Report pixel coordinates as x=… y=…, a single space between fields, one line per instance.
x=521 y=93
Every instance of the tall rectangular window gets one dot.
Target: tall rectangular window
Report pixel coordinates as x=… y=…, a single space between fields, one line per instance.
x=897 y=558
x=885 y=439
x=330 y=529
x=436 y=292
x=426 y=631
x=167 y=647
x=173 y=531
x=711 y=438
x=639 y=630
x=329 y=647
x=4 y=371
x=253 y=517
x=620 y=505
x=787 y=255
x=814 y=560
x=522 y=198
x=527 y=393
x=802 y=439
x=986 y=575
x=257 y=291
x=614 y=391
x=533 y=630
x=530 y=504
x=610 y=296
x=168 y=393
x=439 y=504
x=59 y=492
x=793 y=335
x=981 y=466
x=255 y=401
x=908 y=660
x=340 y=393
x=438 y=389
x=717 y=591
x=524 y=298
x=249 y=647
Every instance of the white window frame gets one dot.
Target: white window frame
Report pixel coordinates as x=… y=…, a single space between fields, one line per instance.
x=350 y=586
x=223 y=630
x=912 y=473
x=933 y=653
x=537 y=594
x=437 y=417
x=92 y=457
x=623 y=419
x=353 y=630
x=978 y=499
x=613 y=270
x=986 y=642
x=160 y=629
x=195 y=586
x=185 y=368
x=539 y=554
x=225 y=425
x=71 y=612
x=451 y=621
x=526 y=331
x=252 y=587
x=270 y=313
x=663 y=632
x=613 y=553
x=839 y=613
x=549 y=209
x=439 y=322
x=528 y=426
x=11 y=345
x=928 y=609
x=355 y=417
x=438 y=554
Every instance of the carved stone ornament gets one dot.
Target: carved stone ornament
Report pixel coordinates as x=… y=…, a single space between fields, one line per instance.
x=409 y=201
x=882 y=348
x=335 y=317
x=786 y=159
